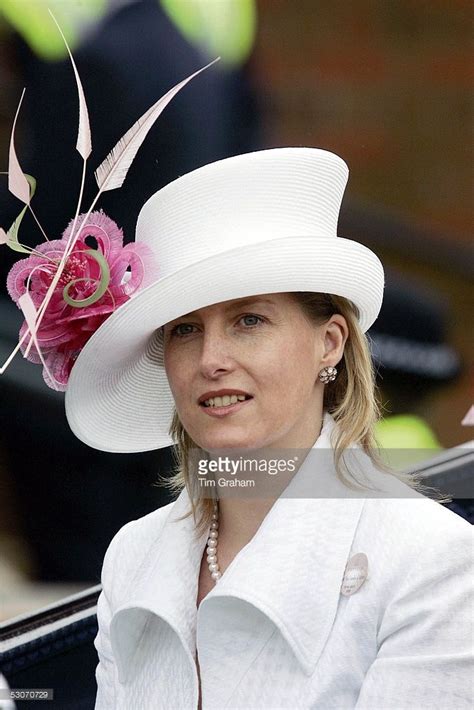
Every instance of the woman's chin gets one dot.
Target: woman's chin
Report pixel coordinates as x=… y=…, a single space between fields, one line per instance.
x=223 y=440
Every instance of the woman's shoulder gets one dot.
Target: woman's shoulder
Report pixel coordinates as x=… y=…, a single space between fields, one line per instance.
x=415 y=543
x=418 y=515
x=414 y=522
x=142 y=530
x=131 y=544
x=403 y=512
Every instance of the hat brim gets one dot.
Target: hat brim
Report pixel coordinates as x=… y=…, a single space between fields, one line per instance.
x=118 y=397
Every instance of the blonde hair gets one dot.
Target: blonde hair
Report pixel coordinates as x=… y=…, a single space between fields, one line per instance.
x=351 y=399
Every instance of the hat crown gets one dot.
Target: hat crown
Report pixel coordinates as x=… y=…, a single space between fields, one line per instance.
x=242 y=200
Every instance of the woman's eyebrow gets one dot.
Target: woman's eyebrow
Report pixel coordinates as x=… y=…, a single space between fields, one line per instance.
x=238 y=303
x=249 y=302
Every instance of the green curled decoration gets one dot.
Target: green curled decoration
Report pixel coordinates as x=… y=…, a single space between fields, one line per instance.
x=102 y=286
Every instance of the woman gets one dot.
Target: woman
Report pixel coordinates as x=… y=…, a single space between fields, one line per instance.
x=337 y=584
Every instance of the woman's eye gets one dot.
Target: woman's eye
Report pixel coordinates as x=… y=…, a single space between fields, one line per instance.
x=250 y=315
x=175 y=330
x=180 y=329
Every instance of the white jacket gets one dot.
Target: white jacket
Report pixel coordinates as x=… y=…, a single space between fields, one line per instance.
x=276 y=632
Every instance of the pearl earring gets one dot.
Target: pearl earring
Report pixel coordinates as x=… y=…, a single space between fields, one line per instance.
x=327 y=374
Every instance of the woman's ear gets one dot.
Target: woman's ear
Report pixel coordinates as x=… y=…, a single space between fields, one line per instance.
x=335 y=337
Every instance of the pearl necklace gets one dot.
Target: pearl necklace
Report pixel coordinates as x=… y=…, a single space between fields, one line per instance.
x=212 y=545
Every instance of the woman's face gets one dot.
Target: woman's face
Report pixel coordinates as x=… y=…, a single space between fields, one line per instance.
x=264 y=347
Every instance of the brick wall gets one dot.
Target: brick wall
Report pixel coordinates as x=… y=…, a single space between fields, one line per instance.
x=385 y=84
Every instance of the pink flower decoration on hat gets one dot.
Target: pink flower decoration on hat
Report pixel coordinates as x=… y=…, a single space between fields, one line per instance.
x=100 y=269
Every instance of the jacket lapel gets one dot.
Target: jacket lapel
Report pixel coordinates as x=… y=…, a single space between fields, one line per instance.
x=292 y=571
x=164 y=586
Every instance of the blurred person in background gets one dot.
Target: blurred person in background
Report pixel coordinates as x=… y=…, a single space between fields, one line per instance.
x=414 y=361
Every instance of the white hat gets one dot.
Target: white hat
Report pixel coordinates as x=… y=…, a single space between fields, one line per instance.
x=260 y=222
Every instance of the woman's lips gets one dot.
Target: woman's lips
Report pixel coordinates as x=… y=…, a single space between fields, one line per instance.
x=222 y=411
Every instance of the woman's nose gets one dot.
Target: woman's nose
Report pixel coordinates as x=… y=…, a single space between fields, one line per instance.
x=215 y=353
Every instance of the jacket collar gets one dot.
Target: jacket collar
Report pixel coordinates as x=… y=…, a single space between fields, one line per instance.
x=302 y=546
